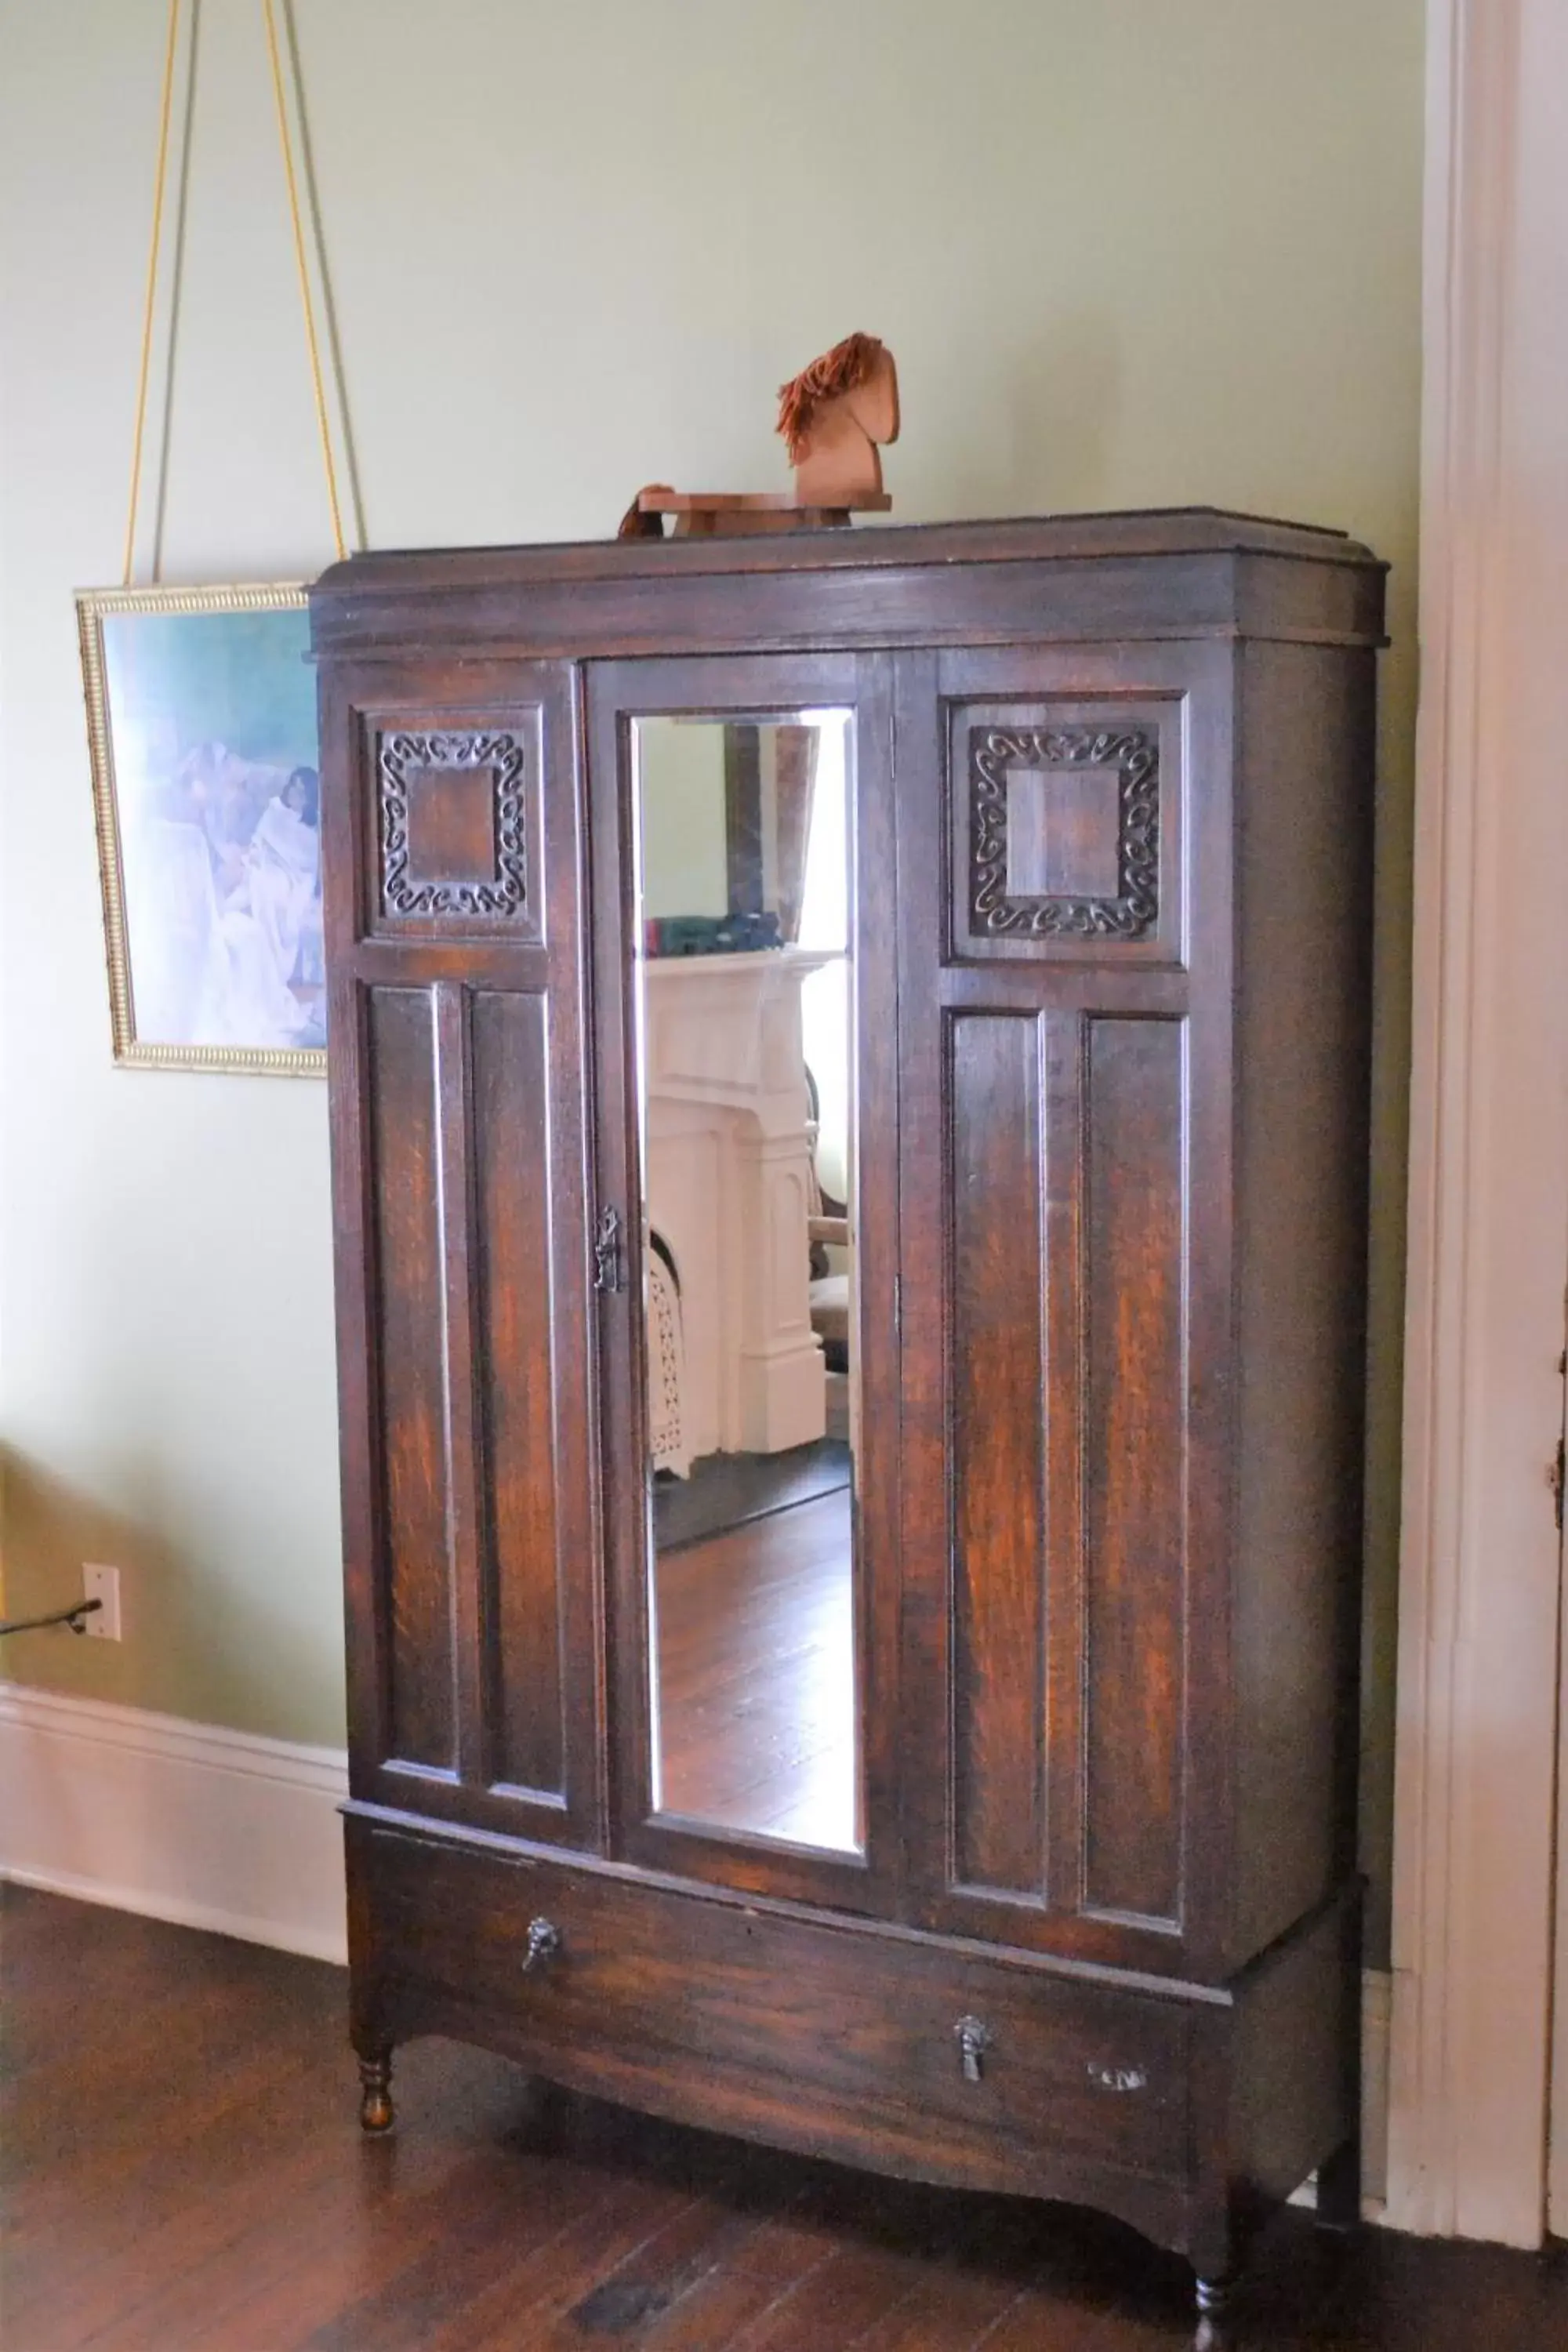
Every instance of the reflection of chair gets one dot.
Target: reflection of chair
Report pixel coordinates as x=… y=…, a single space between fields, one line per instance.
x=828 y=1227
x=666 y=1365
x=830 y=1297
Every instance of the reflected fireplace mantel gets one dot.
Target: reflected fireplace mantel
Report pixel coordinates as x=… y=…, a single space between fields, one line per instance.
x=730 y=1190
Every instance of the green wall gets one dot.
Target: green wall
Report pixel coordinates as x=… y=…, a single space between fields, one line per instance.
x=682 y=828
x=1126 y=251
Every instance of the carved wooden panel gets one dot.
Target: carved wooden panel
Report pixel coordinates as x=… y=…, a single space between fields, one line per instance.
x=515 y=1313
x=1064 y=832
x=414 y=1503
x=1066 y=1420
x=1134 y=1447
x=1065 y=817
x=453 y=810
x=996 y=1412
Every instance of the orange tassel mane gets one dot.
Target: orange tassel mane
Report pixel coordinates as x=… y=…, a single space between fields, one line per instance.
x=839 y=371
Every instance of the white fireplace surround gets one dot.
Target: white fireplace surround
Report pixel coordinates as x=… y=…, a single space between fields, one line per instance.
x=730 y=1190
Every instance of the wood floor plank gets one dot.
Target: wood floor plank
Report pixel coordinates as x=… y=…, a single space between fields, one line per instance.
x=173 y=2221
x=529 y=2304
x=134 y=2181
x=347 y=2269
x=952 y=2307
x=392 y=2200
x=837 y=2302
x=756 y=1682
x=721 y=2306
x=336 y=2289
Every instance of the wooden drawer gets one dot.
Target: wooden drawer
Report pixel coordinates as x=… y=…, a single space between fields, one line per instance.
x=813 y=2034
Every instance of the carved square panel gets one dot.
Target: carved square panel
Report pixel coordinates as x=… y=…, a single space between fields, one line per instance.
x=453 y=822
x=451 y=826
x=1063 y=832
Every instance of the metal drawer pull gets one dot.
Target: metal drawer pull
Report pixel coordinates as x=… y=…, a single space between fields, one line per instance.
x=543 y=1943
x=974 y=2039
x=1117 y=2078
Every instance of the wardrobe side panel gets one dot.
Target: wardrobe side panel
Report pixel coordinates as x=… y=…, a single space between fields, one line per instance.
x=1304 y=833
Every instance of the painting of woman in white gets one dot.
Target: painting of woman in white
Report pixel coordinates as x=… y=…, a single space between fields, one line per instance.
x=271 y=923
x=209 y=826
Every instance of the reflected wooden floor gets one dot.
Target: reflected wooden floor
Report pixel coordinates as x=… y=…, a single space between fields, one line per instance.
x=756 y=1676
x=182 y=2171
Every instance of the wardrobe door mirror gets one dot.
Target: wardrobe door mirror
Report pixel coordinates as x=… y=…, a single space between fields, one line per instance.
x=745 y=1007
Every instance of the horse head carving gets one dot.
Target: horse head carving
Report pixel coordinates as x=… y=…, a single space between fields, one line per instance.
x=832 y=415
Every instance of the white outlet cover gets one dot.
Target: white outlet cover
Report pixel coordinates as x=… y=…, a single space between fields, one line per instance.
x=103 y=1584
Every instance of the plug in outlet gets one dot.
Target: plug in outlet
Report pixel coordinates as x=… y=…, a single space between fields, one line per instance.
x=103 y=1584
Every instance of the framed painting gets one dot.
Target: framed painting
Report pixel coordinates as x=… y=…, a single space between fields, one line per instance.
x=201 y=706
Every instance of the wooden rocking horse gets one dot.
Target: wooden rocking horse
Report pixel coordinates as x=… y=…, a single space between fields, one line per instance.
x=833 y=415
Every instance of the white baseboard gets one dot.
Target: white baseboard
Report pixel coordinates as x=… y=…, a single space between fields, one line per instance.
x=178 y=1820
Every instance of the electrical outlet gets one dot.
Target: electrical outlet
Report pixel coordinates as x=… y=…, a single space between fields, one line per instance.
x=103 y=1584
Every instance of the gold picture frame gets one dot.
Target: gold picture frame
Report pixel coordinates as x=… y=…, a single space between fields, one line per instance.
x=211 y=917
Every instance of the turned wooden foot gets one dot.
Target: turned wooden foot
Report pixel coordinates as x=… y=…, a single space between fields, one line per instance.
x=375 y=2093
x=1216 y=2297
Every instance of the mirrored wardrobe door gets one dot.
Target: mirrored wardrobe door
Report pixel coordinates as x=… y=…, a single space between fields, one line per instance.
x=740 y=799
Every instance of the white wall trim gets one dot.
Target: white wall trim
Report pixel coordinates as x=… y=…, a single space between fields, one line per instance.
x=1489 y=1196
x=179 y=1821
x=1557 y=2119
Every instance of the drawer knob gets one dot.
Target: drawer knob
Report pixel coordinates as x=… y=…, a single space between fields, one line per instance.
x=543 y=1943
x=974 y=2039
x=1117 y=2078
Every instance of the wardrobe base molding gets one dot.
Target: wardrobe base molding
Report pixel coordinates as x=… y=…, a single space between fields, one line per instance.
x=1190 y=2111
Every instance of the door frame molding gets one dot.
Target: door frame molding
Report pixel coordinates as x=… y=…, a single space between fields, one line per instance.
x=1479 y=1576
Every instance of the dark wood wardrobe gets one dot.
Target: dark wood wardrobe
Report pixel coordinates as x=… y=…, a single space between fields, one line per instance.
x=848 y=1068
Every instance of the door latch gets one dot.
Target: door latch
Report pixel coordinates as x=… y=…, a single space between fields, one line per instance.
x=609 y=1269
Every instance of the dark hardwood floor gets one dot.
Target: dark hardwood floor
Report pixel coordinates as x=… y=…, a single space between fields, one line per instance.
x=756 y=1675
x=184 y=2173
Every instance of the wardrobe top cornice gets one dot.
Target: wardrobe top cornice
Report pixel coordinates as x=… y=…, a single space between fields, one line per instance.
x=1175 y=531
x=1184 y=574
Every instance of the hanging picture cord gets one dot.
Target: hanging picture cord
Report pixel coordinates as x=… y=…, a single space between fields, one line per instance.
x=158 y=180
x=307 y=304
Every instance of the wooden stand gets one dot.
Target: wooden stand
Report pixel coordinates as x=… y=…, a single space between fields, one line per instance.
x=714 y=514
